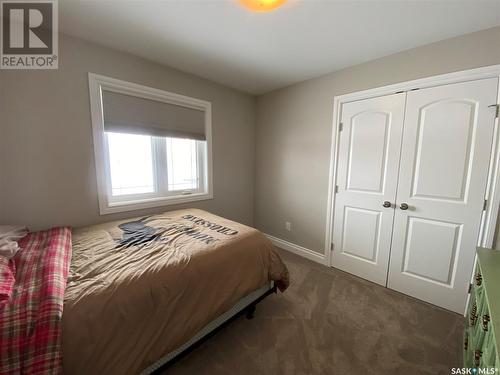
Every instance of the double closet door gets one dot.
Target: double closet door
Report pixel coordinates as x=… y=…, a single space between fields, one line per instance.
x=412 y=173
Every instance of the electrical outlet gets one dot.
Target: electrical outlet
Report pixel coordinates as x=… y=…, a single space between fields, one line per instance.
x=288 y=226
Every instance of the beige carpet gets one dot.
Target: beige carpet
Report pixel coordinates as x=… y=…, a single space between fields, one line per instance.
x=329 y=322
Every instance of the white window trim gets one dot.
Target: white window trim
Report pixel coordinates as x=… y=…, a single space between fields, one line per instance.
x=98 y=83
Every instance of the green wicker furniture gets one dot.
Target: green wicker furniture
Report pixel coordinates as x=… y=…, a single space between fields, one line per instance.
x=482 y=326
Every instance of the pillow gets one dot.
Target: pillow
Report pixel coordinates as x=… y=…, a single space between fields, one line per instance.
x=7 y=278
x=9 y=235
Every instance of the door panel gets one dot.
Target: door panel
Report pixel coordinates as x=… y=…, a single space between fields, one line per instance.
x=446 y=147
x=445 y=237
x=360 y=220
x=443 y=172
x=368 y=151
x=369 y=148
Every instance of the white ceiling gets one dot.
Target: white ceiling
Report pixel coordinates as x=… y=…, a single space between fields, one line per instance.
x=259 y=52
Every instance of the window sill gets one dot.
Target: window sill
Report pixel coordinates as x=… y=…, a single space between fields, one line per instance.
x=110 y=208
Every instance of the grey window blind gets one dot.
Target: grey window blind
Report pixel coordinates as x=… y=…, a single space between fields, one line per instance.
x=133 y=115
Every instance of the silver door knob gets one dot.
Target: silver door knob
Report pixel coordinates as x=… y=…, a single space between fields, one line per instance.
x=387 y=204
x=403 y=206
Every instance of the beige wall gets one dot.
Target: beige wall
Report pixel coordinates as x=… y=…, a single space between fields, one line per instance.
x=47 y=174
x=294 y=127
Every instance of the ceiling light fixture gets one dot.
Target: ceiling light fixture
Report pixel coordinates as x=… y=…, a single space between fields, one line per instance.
x=262 y=5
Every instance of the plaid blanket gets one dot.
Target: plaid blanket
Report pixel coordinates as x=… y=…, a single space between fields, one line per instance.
x=30 y=322
x=7 y=272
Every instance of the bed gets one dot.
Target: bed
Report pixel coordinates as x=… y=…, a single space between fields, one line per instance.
x=142 y=290
x=130 y=296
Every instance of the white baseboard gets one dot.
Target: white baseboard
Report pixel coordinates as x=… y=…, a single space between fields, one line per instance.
x=296 y=249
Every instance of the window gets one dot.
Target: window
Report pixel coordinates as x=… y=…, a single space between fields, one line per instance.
x=152 y=148
x=130 y=164
x=135 y=170
x=182 y=164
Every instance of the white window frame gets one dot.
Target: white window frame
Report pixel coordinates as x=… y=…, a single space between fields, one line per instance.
x=98 y=84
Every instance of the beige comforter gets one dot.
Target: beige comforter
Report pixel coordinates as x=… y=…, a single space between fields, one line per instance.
x=140 y=288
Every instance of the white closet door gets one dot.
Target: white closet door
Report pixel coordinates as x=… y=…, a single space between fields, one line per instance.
x=445 y=155
x=367 y=172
